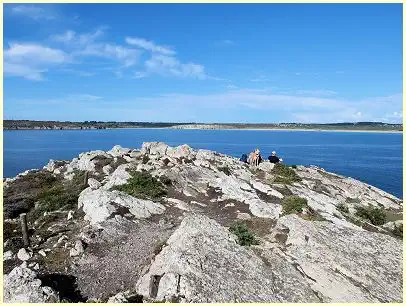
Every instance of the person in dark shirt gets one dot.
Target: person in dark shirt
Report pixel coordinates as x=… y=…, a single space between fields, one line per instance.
x=273 y=158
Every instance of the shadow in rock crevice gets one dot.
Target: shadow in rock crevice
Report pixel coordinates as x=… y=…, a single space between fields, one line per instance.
x=65 y=285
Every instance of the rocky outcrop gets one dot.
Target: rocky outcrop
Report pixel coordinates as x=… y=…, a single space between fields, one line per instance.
x=202 y=263
x=21 y=285
x=166 y=235
x=344 y=264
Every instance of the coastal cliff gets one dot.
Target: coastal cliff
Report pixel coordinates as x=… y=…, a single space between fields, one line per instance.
x=178 y=224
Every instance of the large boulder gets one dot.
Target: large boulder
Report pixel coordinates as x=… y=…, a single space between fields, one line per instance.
x=21 y=285
x=180 y=151
x=100 y=205
x=154 y=148
x=344 y=264
x=118 y=151
x=202 y=263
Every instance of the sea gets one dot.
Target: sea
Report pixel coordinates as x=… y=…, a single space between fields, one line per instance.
x=374 y=158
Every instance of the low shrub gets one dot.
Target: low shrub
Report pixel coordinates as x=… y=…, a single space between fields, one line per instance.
x=293 y=205
x=224 y=169
x=313 y=215
x=398 y=230
x=58 y=195
x=165 y=180
x=343 y=208
x=284 y=174
x=375 y=215
x=143 y=185
x=145 y=159
x=245 y=237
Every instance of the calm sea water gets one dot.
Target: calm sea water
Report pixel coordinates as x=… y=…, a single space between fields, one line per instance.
x=375 y=158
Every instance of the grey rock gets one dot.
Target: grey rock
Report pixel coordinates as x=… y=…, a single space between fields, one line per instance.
x=50 y=166
x=344 y=264
x=23 y=255
x=243 y=216
x=266 y=166
x=118 y=151
x=77 y=250
x=100 y=205
x=180 y=151
x=94 y=184
x=202 y=263
x=8 y=255
x=118 y=298
x=21 y=285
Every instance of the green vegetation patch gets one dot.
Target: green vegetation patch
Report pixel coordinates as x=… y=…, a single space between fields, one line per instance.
x=225 y=169
x=145 y=159
x=313 y=215
x=375 y=215
x=342 y=207
x=143 y=185
x=58 y=194
x=398 y=230
x=245 y=237
x=293 y=205
x=284 y=174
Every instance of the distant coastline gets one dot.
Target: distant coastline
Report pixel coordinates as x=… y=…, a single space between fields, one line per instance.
x=376 y=127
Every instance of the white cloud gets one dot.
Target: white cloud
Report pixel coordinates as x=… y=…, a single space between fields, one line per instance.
x=149 y=45
x=170 y=66
x=30 y=61
x=76 y=40
x=33 y=11
x=87 y=44
x=231 y=86
x=260 y=79
x=27 y=72
x=83 y=97
x=284 y=107
x=72 y=98
x=317 y=92
x=225 y=42
x=66 y=37
x=79 y=72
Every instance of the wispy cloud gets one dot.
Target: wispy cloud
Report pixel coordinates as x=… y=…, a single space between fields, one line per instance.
x=30 y=61
x=170 y=66
x=149 y=45
x=315 y=92
x=232 y=105
x=225 y=42
x=162 y=61
x=260 y=79
x=33 y=11
x=274 y=107
x=68 y=99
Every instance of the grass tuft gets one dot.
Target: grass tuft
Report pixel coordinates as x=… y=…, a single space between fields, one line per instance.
x=342 y=207
x=375 y=215
x=293 y=205
x=285 y=175
x=225 y=169
x=245 y=237
x=143 y=185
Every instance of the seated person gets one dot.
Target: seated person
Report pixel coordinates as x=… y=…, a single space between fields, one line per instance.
x=244 y=158
x=274 y=159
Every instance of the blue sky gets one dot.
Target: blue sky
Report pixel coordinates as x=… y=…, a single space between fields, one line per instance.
x=203 y=63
